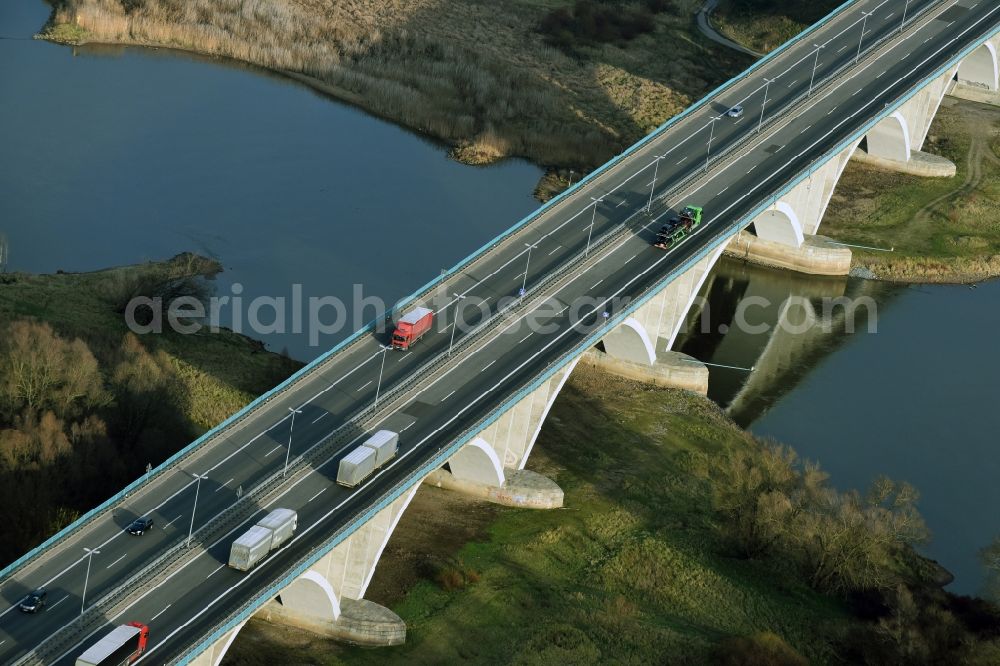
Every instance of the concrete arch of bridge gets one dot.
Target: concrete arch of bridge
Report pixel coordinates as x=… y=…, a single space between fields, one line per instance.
x=311 y=594
x=780 y=224
x=981 y=68
x=477 y=462
x=890 y=138
x=630 y=342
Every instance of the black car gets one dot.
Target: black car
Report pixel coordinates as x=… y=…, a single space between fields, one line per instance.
x=140 y=525
x=34 y=601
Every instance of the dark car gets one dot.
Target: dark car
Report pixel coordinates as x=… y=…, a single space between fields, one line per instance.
x=35 y=601
x=140 y=526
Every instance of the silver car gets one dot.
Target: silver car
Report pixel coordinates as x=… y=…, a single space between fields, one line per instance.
x=735 y=112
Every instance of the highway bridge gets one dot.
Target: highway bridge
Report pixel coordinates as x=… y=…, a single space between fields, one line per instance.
x=871 y=75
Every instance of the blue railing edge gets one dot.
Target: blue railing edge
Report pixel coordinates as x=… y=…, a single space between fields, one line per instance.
x=589 y=342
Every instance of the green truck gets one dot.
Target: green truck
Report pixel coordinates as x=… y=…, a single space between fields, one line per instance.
x=674 y=231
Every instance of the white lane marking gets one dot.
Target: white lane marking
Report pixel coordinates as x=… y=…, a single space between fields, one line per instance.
x=215 y=570
x=448 y=396
x=160 y=613
x=524 y=338
x=405 y=356
x=408 y=427
x=723 y=189
x=623 y=202
x=682 y=160
x=224 y=485
x=558 y=247
x=631 y=258
x=321 y=417
x=116 y=561
x=52 y=606
x=597 y=283
x=488 y=365
x=172 y=522
x=370 y=381
x=317 y=494
x=272 y=450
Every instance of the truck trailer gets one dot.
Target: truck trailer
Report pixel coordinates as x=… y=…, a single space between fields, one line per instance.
x=411 y=327
x=269 y=533
x=374 y=452
x=122 y=646
x=356 y=466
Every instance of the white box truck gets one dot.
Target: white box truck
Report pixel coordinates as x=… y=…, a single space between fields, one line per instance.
x=282 y=523
x=384 y=443
x=356 y=466
x=270 y=532
x=250 y=548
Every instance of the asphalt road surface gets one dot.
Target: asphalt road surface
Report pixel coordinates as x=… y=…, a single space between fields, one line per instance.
x=490 y=364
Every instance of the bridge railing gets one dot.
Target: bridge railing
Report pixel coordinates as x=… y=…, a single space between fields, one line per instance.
x=247 y=609
x=422 y=292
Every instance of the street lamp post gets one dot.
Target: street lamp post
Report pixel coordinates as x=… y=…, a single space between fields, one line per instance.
x=906 y=6
x=593 y=219
x=454 y=324
x=767 y=85
x=861 y=40
x=90 y=556
x=711 y=136
x=652 y=186
x=194 y=509
x=812 y=79
x=570 y=179
x=524 y=282
x=378 y=386
x=291 y=428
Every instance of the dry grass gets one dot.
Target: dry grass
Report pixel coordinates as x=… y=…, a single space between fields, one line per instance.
x=764 y=25
x=476 y=74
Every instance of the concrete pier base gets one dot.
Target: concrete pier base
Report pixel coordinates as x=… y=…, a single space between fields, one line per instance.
x=521 y=488
x=361 y=622
x=818 y=255
x=672 y=369
x=972 y=93
x=919 y=164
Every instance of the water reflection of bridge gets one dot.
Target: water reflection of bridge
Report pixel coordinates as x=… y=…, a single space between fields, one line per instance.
x=779 y=323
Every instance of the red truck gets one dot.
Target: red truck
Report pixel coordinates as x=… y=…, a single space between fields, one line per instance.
x=122 y=646
x=412 y=327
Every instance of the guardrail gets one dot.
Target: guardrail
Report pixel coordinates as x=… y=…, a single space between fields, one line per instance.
x=241 y=416
x=248 y=608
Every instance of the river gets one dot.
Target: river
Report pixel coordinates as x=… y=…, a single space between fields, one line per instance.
x=112 y=156
x=915 y=399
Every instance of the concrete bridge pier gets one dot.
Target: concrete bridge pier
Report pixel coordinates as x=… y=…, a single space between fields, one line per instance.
x=978 y=76
x=639 y=348
x=895 y=142
x=491 y=466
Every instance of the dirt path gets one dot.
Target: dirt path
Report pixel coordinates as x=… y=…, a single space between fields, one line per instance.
x=978 y=124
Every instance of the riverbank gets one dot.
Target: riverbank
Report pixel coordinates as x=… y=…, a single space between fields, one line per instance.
x=639 y=567
x=494 y=81
x=944 y=230
x=103 y=402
